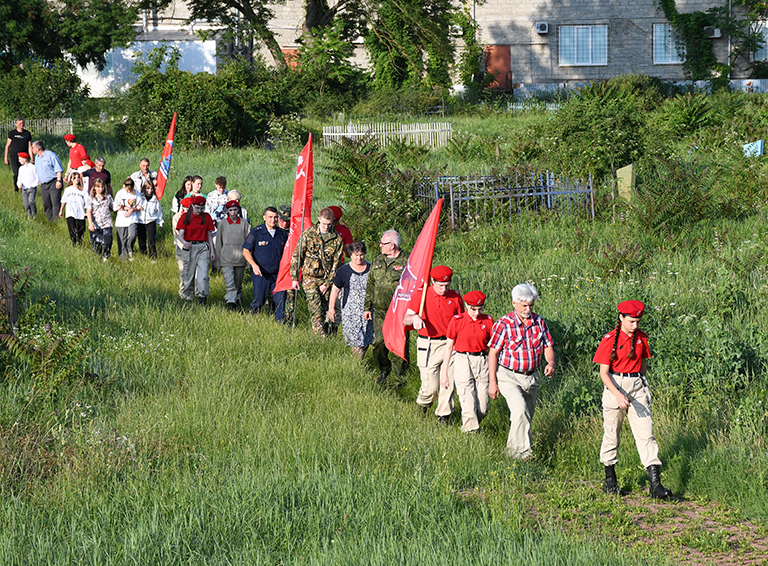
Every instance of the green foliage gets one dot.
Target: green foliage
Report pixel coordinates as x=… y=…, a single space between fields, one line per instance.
x=85 y=29
x=621 y=260
x=37 y=90
x=409 y=43
x=596 y=130
x=676 y=193
x=470 y=68
x=378 y=195
x=232 y=107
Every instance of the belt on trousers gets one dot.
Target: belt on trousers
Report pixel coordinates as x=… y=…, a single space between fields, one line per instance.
x=434 y=338
x=484 y=354
x=635 y=374
x=197 y=241
x=522 y=372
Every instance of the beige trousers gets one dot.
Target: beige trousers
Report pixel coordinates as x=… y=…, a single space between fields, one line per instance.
x=520 y=391
x=429 y=358
x=640 y=422
x=195 y=274
x=470 y=375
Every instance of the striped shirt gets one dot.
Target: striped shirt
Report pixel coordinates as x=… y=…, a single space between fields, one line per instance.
x=520 y=346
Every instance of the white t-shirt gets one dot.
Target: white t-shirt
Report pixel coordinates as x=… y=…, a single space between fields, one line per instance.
x=124 y=198
x=74 y=198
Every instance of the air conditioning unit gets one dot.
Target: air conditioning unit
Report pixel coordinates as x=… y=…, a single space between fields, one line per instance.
x=713 y=33
x=542 y=27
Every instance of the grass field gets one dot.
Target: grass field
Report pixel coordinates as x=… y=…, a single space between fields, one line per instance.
x=200 y=436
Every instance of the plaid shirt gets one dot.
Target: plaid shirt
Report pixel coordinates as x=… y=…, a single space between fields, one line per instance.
x=520 y=347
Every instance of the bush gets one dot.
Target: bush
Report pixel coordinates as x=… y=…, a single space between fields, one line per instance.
x=36 y=90
x=232 y=107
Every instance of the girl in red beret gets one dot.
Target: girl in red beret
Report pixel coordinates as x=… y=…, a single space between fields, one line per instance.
x=196 y=234
x=622 y=356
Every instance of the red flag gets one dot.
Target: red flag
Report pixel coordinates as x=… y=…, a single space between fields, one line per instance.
x=165 y=160
x=301 y=215
x=415 y=275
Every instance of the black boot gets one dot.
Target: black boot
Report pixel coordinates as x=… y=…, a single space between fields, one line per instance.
x=382 y=379
x=611 y=485
x=202 y=300
x=657 y=490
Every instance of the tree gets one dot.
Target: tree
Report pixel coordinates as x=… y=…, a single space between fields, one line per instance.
x=244 y=19
x=84 y=29
x=409 y=42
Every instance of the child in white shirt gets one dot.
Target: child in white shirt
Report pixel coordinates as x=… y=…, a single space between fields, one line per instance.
x=28 y=183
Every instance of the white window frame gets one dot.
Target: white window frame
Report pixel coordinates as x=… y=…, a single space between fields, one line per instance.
x=762 y=53
x=589 y=34
x=664 y=39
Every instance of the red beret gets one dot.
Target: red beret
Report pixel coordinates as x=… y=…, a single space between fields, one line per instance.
x=336 y=213
x=475 y=298
x=186 y=202
x=441 y=273
x=69 y=137
x=24 y=154
x=231 y=204
x=631 y=308
x=198 y=200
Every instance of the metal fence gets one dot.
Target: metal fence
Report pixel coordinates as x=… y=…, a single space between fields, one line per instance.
x=433 y=134
x=57 y=127
x=469 y=200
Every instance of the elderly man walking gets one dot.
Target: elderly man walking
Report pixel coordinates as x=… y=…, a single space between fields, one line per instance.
x=386 y=269
x=517 y=343
x=49 y=171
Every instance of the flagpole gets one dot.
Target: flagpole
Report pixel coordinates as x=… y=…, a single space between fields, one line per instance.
x=298 y=264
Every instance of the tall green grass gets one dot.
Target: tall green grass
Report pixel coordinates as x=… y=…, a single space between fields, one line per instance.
x=211 y=437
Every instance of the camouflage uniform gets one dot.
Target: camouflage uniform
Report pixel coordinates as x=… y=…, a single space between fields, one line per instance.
x=321 y=256
x=383 y=279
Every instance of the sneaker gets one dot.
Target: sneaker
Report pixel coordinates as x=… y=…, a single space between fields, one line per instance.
x=130 y=257
x=105 y=259
x=443 y=421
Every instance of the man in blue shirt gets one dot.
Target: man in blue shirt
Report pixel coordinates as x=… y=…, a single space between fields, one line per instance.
x=263 y=250
x=49 y=171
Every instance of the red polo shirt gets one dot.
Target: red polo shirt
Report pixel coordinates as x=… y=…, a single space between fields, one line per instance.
x=76 y=155
x=621 y=364
x=470 y=335
x=194 y=231
x=438 y=311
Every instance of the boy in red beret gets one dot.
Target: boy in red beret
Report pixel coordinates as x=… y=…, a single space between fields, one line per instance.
x=622 y=356
x=440 y=305
x=468 y=335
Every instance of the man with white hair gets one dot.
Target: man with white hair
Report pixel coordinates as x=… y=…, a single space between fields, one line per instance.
x=517 y=343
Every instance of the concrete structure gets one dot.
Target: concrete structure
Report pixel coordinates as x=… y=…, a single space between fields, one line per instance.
x=544 y=41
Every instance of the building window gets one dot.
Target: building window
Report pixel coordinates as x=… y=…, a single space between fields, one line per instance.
x=583 y=45
x=666 y=49
x=761 y=53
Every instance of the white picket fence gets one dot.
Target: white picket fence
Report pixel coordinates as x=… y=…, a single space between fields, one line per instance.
x=432 y=134
x=57 y=127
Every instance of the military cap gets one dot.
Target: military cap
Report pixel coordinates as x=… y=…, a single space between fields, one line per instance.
x=284 y=212
x=631 y=308
x=441 y=273
x=475 y=298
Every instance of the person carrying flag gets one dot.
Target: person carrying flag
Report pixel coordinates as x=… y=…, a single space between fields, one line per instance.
x=437 y=309
x=386 y=269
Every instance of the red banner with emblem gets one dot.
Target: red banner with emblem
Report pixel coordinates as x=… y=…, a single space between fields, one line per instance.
x=165 y=161
x=415 y=275
x=301 y=215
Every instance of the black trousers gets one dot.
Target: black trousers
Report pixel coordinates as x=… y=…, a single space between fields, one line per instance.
x=147 y=234
x=76 y=230
x=13 y=159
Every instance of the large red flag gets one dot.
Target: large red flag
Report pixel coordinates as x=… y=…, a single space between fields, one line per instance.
x=165 y=160
x=301 y=215
x=415 y=275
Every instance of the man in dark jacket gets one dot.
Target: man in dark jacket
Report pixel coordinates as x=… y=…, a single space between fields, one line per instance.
x=263 y=250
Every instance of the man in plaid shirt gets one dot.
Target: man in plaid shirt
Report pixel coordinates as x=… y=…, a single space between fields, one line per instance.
x=517 y=342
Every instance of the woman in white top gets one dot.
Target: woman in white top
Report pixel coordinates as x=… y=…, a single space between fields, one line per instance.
x=150 y=219
x=73 y=199
x=128 y=204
